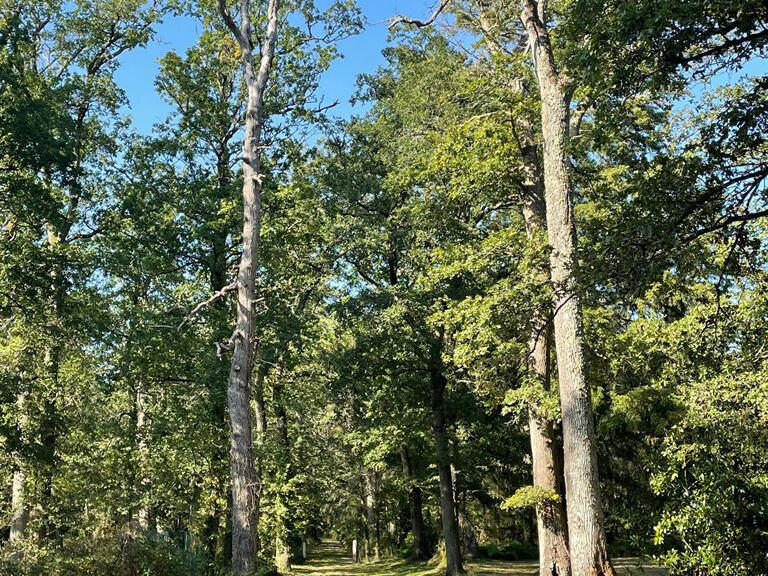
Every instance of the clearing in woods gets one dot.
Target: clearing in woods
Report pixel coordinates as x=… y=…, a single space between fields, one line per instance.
x=330 y=558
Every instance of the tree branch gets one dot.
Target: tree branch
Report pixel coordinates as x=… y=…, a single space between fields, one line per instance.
x=216 y=296
x=726 y=221
x=229 y=21
x=722 y=48
x=397 y=20
x=268 y=47
x=228 y=345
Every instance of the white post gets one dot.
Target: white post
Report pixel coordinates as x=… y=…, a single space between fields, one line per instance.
x=304 y=549
x=354 y=551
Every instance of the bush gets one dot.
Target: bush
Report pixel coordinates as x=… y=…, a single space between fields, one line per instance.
x=714 y=479
x=114 y=554
x=510 y=550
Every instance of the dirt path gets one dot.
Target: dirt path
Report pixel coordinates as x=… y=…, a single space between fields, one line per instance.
x=332 y=559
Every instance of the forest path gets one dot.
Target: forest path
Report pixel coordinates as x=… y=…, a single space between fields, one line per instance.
x=329 y=558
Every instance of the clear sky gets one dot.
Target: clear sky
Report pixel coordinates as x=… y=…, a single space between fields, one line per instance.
x=362 y=53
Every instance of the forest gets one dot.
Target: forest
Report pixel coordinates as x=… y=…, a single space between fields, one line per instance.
x=505 y=316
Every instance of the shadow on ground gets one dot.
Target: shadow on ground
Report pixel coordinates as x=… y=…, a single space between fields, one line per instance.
x=332 y=559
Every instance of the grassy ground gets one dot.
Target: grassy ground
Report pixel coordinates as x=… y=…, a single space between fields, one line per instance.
x=331 y=559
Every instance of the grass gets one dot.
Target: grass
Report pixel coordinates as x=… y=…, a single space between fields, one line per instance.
x=332 y=559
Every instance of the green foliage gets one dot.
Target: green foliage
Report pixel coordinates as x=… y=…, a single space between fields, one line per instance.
x=530 y=497
x=508 y=550
x=394 y=249
x=713 y=478
x=117 y=553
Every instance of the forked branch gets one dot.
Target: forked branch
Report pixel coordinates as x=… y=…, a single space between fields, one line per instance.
x=230 y=22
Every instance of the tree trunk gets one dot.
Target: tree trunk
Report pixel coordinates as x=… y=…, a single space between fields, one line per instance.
x=261 y=409
x=19 y=512
x=144 y=514
x=546 y=447
x=372 y=513
x=447 y=504
x=19 y=503
x=242 y=471
x=589 y=555
x=48 y=527
x=244 y=480
x=19 y=506
x=468 y=535
x=282 y=555
x=282 y=532
x=551 y=519
x=420 y=548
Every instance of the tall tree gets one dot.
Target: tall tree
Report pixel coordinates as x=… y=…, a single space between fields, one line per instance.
x=494 y=22
x=68 y=56
x=448 y=511
x=546 y=445
x=245 y=484
x=587 y=541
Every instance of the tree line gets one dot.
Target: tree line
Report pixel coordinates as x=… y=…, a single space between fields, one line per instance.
x=514 y=306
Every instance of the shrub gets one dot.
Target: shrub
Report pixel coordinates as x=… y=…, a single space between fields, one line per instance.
x=715 y=482
x=509 y=550
x=115 y=554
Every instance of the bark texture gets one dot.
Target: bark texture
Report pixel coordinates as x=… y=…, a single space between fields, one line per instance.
x=586 y=533
x=546 y=446
x=551 y=520
x=19 y=503
x=19 y=507
x=282 y=543
x=372 y=513
x=144 y=514
x=244 y=479
x=469 y=541
x=447 y=504
x=420 y=547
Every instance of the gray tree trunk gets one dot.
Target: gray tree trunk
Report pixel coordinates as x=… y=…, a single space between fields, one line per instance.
x=420 y=548
x=19 y=506
x=586 y=533
x=551 y=520
x=546 y=447
x=144 y=514
x=19 y=503
x=447 y=504
x=372 y=513
x=468 y=535
x=244 y=480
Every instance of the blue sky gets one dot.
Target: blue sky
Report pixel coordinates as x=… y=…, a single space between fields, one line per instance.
x=362 y=53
